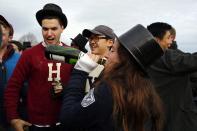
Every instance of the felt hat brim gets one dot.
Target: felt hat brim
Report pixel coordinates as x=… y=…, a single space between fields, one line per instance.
x=42 y=13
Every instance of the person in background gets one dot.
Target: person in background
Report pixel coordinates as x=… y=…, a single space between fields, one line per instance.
x=8 y=61
x=45 y=77
x=79 y=42
x=124 y=98
x=26 y=45
x=18 y=47
x=193 y=79
x=173 y=36
x=193 y=76
x=171 y=77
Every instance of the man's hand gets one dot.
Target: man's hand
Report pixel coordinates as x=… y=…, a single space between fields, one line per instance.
x=19 y=124
x=94 y=57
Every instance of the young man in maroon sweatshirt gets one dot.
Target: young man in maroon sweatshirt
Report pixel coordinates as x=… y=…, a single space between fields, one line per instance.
x=42 y=76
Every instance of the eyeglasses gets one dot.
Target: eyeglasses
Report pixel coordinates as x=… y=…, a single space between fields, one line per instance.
x=97 y=38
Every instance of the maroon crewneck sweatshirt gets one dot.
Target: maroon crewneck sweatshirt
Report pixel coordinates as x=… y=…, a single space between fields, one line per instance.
x=40 y=73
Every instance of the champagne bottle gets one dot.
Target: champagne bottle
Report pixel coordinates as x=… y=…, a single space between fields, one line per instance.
x=64 y=54
x=68 y=55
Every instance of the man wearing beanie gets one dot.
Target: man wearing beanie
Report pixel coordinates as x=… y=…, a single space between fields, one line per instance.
x=42 y=75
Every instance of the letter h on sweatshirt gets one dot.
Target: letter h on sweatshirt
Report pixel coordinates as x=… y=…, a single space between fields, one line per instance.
x=50 y=65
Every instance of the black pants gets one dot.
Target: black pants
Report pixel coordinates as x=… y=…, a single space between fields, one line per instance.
x=52 y=128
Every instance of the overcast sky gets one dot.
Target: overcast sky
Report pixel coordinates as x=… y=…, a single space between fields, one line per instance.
x=121 y=15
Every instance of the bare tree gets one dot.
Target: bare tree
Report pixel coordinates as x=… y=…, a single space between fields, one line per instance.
x=29 y=37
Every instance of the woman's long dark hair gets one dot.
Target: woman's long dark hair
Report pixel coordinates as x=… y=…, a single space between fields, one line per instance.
x=135 y=100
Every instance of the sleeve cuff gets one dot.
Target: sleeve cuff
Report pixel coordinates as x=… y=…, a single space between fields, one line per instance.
x=85 y=63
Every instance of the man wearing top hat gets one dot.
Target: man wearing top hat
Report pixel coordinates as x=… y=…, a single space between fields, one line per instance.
x=79 y=42
x=43 y=77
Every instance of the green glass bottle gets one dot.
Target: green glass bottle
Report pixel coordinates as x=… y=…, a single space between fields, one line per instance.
x=66 y=54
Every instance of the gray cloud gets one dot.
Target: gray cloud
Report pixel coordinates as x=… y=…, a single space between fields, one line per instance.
x=121 y=15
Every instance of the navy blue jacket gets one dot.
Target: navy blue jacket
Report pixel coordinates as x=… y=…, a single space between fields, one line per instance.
x=90 y=113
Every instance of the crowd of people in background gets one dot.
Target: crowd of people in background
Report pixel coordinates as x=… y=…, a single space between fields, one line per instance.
x=144 y=82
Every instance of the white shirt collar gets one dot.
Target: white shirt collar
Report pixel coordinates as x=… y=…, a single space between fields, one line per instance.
x=44 y=44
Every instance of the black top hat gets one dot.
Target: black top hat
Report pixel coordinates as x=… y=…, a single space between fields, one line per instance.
x=100 y=30
x=141 y=45
x=80 y=41
x=7 y=24
x=51 y=9
x=18 y=44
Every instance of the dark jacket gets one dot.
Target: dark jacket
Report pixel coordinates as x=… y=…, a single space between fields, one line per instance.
x=90 y=113
x=193 y=78
x=171 y=77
